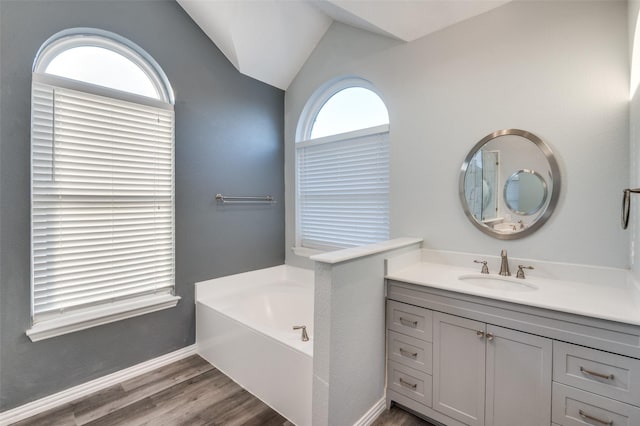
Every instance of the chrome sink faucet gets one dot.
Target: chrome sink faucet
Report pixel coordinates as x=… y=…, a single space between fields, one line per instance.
x=504 y=264
x=521 y=268
x=485 y=268
x=304 y=337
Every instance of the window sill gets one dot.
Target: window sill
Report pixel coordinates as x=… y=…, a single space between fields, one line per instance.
x=306 y=252
x=99 y=316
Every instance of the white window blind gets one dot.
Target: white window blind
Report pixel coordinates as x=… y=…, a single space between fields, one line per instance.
x=343 y=189
x=102 y=180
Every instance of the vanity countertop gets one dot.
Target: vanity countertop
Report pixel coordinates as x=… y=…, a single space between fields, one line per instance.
x=604 y=293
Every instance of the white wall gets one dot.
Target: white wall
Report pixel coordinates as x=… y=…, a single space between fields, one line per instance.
x=349 y=336
x=634 y=138
x=557 y=69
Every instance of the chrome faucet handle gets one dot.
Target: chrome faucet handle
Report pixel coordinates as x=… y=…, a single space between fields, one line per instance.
x=485 y=268
x=521 y=268
x=305 y=336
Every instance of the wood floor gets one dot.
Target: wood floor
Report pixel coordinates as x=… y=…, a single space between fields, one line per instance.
x=398 y=417
x=187 y=392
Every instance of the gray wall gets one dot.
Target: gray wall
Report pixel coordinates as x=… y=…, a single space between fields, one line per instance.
x=229 y=131
x=558 y=69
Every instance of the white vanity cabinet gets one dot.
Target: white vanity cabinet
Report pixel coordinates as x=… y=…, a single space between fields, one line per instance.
x=459 y=368
x=409 y=351
x=489 y=375
x=487 y=362
x=594 y=387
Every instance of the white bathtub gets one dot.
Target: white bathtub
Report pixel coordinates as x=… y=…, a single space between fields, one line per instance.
x=244 y=328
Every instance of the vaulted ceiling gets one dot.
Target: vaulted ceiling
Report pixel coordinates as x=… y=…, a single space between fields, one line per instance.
x=270 y=40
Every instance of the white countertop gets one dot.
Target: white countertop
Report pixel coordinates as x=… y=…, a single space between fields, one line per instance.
x=604 y=293
x=344 y=255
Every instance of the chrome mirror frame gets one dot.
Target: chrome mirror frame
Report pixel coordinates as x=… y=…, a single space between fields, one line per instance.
x=545 y=191
x=556 y=184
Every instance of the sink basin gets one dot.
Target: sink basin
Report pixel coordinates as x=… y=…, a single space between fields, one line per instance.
x=497 y=282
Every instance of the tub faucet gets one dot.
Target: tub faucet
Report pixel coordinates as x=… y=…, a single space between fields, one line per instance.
x=305 y=336
x=504 y=264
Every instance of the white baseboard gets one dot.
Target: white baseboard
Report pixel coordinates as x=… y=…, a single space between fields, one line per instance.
x=68 y=395
x=373 y=413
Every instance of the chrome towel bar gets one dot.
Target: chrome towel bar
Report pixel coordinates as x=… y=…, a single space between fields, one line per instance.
x=227 y=199
x=626 y=205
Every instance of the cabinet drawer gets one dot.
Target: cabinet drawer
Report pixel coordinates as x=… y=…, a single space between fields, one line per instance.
x=411 y=383
x=410 y=351
x=410 y=320
x=575 y=407
x=606 y=374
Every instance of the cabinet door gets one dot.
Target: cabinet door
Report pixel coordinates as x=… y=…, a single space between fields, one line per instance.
x=518 y=378
x=459 y=368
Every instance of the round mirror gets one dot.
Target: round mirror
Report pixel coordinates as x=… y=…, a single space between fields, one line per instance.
x=525 y=192
x=524 y=167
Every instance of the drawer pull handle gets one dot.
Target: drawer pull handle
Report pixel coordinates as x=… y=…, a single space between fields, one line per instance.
x=405 y=321
x=595 y=419
x=480 y=333
x=408 y=354
x=595 y=374
x=489 y=336
x=413 y=386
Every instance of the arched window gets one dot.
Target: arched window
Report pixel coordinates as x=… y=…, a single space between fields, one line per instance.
x=102 y=203
x=342 y=167
x=350 y=109
x=104 y=59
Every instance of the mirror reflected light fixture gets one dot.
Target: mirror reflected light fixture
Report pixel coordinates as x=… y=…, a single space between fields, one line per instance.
x=509 y=184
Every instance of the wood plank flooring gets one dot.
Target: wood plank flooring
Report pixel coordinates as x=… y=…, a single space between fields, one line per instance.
x=186 y=392
x=398 y=417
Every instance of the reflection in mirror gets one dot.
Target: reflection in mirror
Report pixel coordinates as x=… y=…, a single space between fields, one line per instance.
x=525 y=192
x=481 y=184
x=509 y=184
